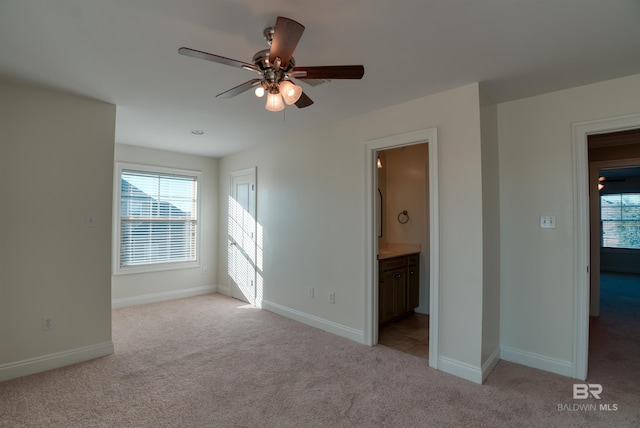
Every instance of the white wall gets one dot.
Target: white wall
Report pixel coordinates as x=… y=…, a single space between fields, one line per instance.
x=128 y=289
x=311 y=204
x=490 y=232
x=536 y=178
x=56 y=163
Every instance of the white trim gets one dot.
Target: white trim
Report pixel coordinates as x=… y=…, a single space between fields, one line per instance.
x=537 y=361
x=491 y=363
x=162 y=296
x=434 y=250
x=313 y=321
x=223 y=289
x=460 y=369
x=54 y=361
x=115 y=234
x=580 y=132
x=429 y=136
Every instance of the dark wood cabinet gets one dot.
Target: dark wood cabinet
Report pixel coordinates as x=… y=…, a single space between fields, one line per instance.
x=413 y=281
x=399 y=287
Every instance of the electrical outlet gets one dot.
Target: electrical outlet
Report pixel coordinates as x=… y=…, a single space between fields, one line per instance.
x=205 y=270
x=310 y=293
x=47 y=323
x=332 y=297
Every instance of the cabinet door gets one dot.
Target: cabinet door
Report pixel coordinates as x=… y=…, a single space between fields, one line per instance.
x=413 y=287
x=386 y=299
x=400 y=291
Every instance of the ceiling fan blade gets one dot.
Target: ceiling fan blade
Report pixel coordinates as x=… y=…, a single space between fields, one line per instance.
x=286 y=35
x=216 y=58
x=330 y=72
x=239 y=89
x=303 y=101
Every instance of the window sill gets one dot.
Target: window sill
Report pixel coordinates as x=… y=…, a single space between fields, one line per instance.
x=160 y=267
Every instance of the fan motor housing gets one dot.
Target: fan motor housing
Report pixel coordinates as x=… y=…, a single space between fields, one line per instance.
x=262 y=60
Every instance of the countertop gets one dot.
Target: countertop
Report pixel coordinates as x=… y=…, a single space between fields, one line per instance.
x=395 y=250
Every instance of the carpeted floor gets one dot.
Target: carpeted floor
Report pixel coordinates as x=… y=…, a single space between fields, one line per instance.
x=211 y=361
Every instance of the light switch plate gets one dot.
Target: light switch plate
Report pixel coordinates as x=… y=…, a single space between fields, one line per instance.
x=547 y=222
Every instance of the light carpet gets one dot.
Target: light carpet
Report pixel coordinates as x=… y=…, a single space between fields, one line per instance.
x=212 y=361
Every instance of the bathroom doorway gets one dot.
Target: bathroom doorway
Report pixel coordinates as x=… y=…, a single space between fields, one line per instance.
x=408 y=239
x=403 y=238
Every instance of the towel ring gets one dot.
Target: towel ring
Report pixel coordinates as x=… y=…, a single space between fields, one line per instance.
x=403 y=217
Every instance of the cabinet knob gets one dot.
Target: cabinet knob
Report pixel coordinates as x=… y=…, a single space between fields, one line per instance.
x=397 y=276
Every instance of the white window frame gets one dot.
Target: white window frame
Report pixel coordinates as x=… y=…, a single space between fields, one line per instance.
x=154 y=267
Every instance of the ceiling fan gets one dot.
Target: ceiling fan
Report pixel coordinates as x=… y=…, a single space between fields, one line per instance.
x=277 y=67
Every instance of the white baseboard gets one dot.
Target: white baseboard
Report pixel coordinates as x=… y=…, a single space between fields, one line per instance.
x=54 y=361
x=313 y=321
x=160 y=297
x=223 y=289
x=490 y=364
x=460 y=369
x=537 y=361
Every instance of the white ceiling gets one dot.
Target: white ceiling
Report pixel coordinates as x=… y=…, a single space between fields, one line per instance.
x=125 y=52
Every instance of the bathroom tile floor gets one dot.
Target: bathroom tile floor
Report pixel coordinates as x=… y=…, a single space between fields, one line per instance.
x=410 y=335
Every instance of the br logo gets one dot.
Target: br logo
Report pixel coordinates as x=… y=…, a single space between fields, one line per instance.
x=582 y=391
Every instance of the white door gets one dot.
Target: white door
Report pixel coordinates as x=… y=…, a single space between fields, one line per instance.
x=242 y=233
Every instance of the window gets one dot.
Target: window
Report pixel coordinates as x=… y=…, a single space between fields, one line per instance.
x=620 y=216
x=157 y=221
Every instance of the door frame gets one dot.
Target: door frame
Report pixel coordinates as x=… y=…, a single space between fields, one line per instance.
x=430 y=136
x=253 y=171
x=581 y=246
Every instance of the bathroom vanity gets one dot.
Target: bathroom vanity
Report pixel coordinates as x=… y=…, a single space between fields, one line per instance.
x=399 y=282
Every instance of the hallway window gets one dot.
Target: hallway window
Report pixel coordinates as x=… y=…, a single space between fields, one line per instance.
x=620 y=216
x=157 y=224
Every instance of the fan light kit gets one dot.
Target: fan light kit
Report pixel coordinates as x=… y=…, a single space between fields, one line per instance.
x=277 y=67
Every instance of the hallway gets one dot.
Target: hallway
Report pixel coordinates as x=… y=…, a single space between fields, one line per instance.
x=614 y=336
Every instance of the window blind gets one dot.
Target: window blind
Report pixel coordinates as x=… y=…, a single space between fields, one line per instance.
x=620 y=216
x=158 y=218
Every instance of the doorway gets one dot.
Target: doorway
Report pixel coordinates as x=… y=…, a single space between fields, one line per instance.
x=431 y=224
x=614 y=177
x=403 y=237
x=242 y=236
x=582 y=268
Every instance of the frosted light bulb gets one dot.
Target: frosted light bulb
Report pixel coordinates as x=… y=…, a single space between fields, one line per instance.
x=274 y=102
x=290 y=91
